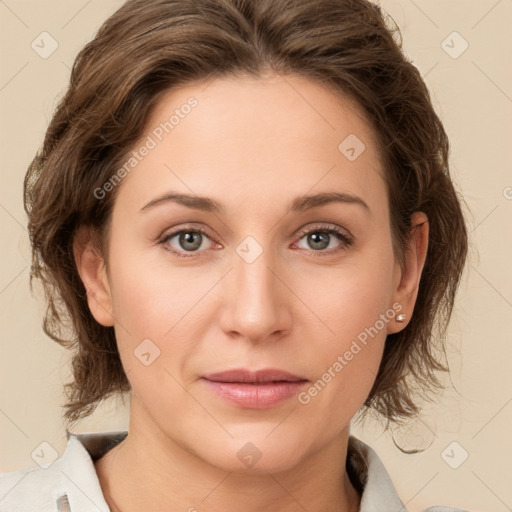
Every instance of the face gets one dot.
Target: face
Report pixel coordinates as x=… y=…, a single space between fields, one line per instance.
x=256 y=277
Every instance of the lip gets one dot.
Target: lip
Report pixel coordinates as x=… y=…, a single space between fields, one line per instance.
x=258 y=376
x=259 y=389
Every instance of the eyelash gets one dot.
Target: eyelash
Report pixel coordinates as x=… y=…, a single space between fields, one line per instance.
x=344 y=237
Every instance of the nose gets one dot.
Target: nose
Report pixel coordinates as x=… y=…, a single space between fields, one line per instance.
x=256 y=304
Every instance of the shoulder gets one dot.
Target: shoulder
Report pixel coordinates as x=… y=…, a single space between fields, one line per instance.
x=378 y=493
x=69 y=483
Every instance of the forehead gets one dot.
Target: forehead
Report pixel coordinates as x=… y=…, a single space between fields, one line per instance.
x=279 y=135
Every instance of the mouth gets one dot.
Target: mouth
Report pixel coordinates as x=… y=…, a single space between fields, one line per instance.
x=259 y=389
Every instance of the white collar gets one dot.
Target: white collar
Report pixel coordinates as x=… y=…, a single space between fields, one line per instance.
x=73 y=475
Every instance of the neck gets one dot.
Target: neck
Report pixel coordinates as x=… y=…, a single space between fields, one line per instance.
x=149 y=471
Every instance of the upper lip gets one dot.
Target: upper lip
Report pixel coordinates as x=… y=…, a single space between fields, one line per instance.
x=243 y=375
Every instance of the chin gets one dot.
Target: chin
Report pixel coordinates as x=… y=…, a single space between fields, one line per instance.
x=253 y=450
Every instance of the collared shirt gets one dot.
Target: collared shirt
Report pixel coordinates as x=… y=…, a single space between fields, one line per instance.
x=70 y=484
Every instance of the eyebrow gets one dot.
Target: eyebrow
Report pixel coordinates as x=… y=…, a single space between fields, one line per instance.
x=299 y=204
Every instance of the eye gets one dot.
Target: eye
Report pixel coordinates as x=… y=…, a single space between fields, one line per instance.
x=187 y=240
x=321 y=238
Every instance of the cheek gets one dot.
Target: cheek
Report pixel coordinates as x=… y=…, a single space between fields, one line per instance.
x=346 y=363
x=150 y=296
x=156 y=307
x=351 y=296
x=355 y=307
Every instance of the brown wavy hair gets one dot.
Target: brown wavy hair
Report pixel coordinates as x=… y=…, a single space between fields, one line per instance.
x=148 y=47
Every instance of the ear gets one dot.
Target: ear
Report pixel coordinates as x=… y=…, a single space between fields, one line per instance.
x=407 y=279
x=92 y=270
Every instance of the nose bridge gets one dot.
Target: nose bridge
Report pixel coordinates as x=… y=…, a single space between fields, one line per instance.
x=255 y=307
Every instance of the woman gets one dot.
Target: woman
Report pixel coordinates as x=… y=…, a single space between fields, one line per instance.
x=245 y=209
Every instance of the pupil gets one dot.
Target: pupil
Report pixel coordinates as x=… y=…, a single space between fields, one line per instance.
x=189 y=238
x=316 y=238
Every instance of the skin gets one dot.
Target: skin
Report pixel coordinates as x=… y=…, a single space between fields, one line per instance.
x=253 y=145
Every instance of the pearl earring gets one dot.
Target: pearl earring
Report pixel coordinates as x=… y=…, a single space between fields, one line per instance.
x=400 y=318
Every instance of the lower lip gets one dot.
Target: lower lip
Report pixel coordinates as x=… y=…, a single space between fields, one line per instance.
x=256 y=396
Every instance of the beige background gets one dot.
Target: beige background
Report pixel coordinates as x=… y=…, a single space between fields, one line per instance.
x=473 y=95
